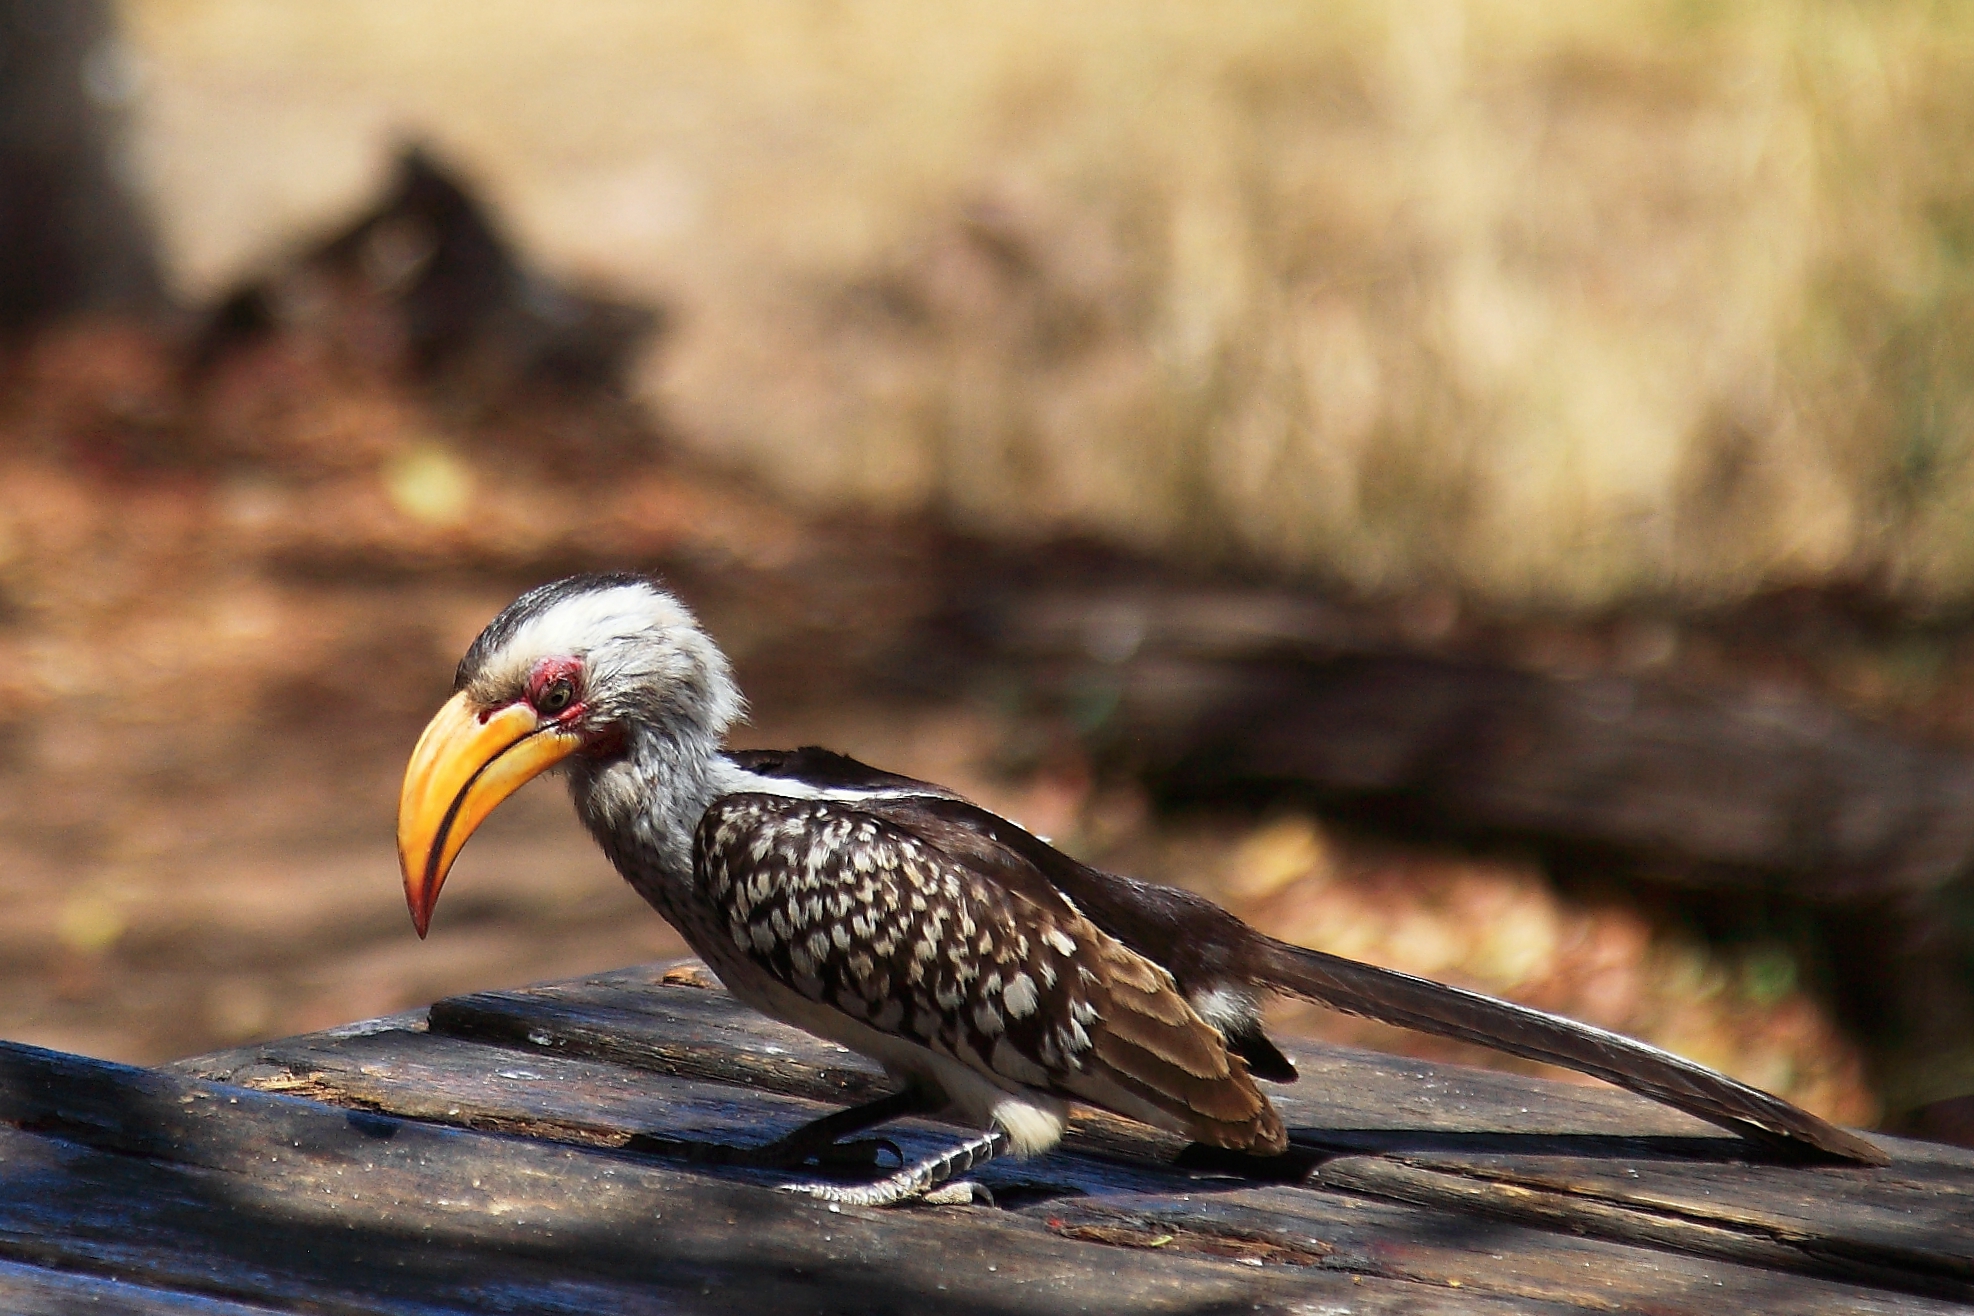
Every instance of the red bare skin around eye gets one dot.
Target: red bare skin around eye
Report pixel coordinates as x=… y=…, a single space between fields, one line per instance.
x=604 y=741
x=545 y=674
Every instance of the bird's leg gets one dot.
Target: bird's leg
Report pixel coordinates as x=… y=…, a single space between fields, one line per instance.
x=818 y=1138
x=914 y=1181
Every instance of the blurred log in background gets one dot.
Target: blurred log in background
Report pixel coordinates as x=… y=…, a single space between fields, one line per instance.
x=1478 y=486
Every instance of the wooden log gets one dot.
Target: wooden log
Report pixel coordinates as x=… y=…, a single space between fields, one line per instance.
x=1590 y=1217
x=1596 y=1162
x=1909 y=1216
x=1152 y=1208
x=1458 y=1247
x=1776 y=792
x=589 y=1103
x=635 y=1017
x=248 y=1196
x=34 y=1291
x=1245 y=691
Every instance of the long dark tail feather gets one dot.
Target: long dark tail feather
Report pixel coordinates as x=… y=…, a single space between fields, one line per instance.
x=1431 y=1007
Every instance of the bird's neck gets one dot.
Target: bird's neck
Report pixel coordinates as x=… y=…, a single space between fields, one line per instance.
x=643 y=806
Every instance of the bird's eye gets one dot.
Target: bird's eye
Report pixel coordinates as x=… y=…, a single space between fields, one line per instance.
x=555 y=696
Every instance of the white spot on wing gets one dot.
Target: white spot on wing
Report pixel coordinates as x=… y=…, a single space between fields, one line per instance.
x=1020 y=996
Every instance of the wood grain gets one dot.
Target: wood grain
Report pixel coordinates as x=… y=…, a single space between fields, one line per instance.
x=247 y=1196
x=1403 y=1170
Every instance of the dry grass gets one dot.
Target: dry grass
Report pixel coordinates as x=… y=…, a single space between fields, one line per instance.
x=1552 y=304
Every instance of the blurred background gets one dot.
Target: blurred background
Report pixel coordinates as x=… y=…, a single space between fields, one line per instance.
x=1482 y=487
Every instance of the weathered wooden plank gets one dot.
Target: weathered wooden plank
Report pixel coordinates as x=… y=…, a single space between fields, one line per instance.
x=232 y=1236
x=466 y=1084
x=221 y=1066
x=1460 y=1249
x=1635 y=1156
x=35 y=1291
x=1915 y=1270
x=258 y=1197
x=1346 y=1099
x=1156 y=1207
x=635 y=1017
x=805 y=1071
x=1913 y=1216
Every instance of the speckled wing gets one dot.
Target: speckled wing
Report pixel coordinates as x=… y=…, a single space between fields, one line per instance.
x=969 y=953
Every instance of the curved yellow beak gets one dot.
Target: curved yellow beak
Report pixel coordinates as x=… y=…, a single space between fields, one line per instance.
x=465 y=764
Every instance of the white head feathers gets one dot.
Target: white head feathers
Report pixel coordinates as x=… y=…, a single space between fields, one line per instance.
x=645 y=660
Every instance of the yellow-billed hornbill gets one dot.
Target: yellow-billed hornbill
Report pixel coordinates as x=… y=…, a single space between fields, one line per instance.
x=995 y=977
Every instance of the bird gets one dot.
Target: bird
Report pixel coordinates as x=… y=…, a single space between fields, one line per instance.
x=996 y=979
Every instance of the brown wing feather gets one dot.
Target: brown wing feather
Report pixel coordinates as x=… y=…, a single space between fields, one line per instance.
x=1152 y=1044
x=1207 y=948
x=862 y=914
